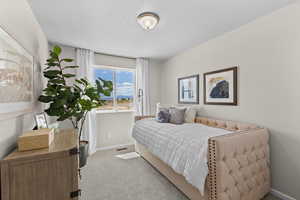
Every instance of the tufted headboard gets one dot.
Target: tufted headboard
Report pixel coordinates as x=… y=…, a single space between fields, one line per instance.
x=225 y=124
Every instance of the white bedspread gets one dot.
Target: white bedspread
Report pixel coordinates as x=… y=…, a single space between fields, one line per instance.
x=183 y=147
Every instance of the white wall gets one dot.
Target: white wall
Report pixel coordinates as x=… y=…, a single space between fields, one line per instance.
x=114 y=129
x=267 y=52
x=18 y=20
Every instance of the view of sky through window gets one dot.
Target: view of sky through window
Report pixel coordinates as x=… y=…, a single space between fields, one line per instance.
x=125 y=87
x=124 y=84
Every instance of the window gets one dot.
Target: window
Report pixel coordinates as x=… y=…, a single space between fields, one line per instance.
x=122 y=97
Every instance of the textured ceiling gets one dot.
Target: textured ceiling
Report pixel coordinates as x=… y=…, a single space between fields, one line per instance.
x=109 y=26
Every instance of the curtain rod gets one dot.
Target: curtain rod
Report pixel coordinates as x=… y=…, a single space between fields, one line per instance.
x=114 y=55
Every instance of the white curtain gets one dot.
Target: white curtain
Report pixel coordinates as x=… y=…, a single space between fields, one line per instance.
x=142 y=86
x=85 y=60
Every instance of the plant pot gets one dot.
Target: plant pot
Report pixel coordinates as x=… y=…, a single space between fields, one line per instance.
x=83 y=153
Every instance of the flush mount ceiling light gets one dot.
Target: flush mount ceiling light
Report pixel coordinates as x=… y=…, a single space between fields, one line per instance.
x=148 y=20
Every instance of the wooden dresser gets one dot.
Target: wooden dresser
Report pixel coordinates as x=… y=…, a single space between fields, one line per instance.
x=46 y=174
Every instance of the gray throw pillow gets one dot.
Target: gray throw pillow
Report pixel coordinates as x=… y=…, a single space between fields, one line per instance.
x=177 y=115
x=160 y=108
x=163 y=117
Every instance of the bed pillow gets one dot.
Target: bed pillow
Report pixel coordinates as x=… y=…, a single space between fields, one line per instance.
x=177 y=115
x=190 y=115
x=163 y=117
x=160 y=108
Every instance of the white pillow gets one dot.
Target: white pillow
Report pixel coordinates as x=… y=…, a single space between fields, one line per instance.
x=190 y=115
x=157 y=110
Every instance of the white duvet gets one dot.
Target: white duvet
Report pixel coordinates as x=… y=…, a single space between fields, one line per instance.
x=183 y=147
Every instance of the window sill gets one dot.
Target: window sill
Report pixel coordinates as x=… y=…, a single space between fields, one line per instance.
x=114 y=111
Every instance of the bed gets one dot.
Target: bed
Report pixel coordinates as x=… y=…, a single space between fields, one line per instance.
x=237 y=159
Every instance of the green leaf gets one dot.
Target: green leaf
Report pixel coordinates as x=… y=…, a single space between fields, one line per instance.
x=51 y=60
x=52 y=64
x=49 y=90
x=54 y=111
x=84 y=81
x=57 y=50
x=67 y=60
x=105 y=83
x=51 y=73
x=59 y=102
x=104 y=87
x=45 y=99
x=77 y=87
x=70 y=67
x=65 y=116
x=106 y=92
x=53 y=55
x=79 y=81
x=86 y=104
x=92 y=93
x=57 y=81
x=68 y=75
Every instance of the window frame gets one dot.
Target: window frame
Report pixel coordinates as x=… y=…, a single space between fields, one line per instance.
x=115 y=69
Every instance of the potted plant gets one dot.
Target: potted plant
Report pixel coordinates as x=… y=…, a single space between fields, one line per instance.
x=71 y=100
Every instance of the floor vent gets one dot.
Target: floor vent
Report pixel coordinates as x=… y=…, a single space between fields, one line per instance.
x=122 y=149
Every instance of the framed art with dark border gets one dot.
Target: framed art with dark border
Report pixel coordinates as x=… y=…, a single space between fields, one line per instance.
x=188 y=90
x=220 y=87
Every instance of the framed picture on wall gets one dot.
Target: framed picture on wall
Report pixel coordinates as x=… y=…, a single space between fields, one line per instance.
x=220 y=87
x=188 y=90
x=16 y=76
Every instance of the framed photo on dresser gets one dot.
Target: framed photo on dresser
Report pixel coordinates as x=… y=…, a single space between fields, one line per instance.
x=220 y=87
x=41 y=121
x=188 y=90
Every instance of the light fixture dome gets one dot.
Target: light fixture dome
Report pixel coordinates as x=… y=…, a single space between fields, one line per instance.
x=148 y=20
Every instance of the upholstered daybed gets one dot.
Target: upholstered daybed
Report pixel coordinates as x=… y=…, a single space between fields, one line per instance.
x=238 y=163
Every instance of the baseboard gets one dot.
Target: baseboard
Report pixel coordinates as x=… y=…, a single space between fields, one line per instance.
x=280 y=195
x=114 y=147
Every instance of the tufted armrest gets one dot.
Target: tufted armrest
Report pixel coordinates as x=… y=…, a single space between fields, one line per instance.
x=137 y=118
x=225 y=124
x=239 y=165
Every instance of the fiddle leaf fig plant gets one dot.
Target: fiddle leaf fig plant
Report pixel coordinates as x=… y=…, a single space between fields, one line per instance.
x=70 y=99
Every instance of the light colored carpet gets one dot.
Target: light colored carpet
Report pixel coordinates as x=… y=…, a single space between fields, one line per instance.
x=107 y=177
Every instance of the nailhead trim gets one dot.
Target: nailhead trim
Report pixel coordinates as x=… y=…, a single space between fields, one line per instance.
x=212 y=166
